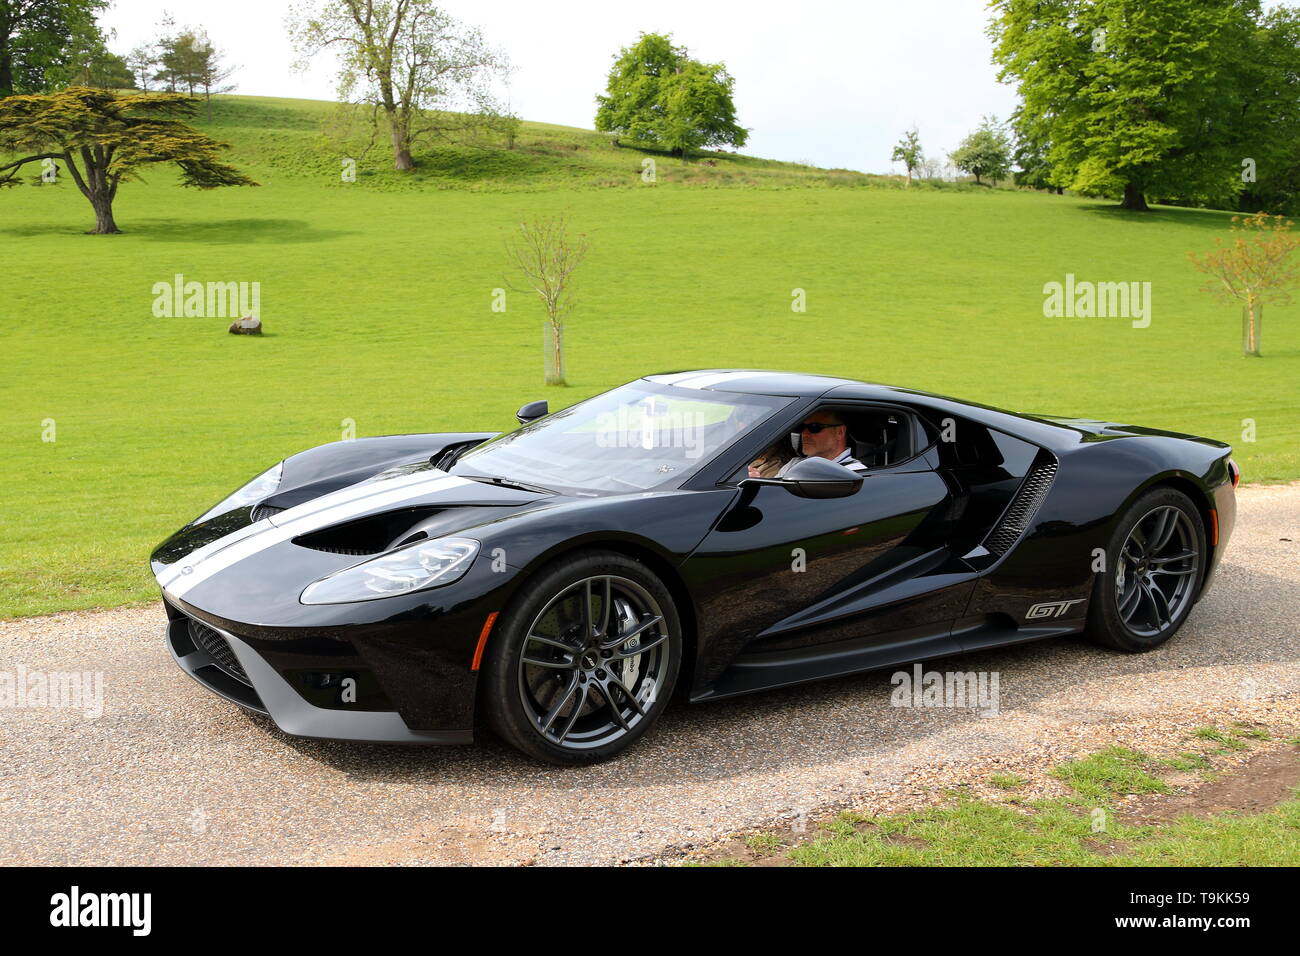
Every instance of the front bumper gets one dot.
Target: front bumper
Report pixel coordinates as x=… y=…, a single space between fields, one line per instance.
x=231 y=668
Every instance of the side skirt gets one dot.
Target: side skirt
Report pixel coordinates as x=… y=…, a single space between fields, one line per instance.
x=769 y=670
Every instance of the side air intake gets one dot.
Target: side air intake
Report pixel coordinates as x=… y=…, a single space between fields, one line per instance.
x=265 y=511
x=1022 y=509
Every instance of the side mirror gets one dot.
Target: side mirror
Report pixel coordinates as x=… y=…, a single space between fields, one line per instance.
x=533 y=411
x=815 y=478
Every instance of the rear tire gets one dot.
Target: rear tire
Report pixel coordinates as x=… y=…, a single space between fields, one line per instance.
x=584 y=660
x=1155 y=563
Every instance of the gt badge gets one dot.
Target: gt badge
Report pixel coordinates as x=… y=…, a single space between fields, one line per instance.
x=1051 y=609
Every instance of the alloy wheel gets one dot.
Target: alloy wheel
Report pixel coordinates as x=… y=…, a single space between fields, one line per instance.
x=1156 y=571
x=594 y=662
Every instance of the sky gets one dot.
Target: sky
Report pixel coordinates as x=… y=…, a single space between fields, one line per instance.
x=834 y=84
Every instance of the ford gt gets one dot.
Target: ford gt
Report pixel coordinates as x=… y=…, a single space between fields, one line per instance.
x=678 y=537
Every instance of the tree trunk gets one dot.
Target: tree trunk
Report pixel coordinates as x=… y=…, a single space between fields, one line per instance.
x=1252 y=321
x=1134 y=199
x=104 y=224
x=553 y=365
x=6 y=73
x=402 y=160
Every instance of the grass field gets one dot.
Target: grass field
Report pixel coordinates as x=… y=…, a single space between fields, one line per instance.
x=377 y=296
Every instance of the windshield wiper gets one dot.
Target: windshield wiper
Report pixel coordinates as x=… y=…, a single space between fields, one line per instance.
x=507 y=483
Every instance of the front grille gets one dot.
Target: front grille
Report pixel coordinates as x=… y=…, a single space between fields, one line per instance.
x=218 y=648
x=1024 y=505
x=265 y=511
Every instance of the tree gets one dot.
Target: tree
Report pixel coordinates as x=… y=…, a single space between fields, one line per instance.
x=658 y=96
x=1256 y=268
x=142 y=61
x=908 y=152
x=547 y=256
x=1270 y=162
x=113 y=135
x=932 y=167
x=182 y=58
x=1032 y=168
x=211 y=70
x=426 y=72
x=985 y=152
x=87 y=61
x=1141 y=98
x=34 y=35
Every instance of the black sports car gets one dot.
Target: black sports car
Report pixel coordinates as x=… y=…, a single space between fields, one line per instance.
x=687 y=532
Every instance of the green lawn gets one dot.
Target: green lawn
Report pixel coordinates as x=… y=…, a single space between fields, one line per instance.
x=377 y=299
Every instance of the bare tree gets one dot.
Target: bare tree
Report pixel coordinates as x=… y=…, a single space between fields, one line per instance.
x=428 y=73
x=548 y=255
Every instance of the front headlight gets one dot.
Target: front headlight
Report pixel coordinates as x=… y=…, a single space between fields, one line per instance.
x=263 y=486
x=430 y=563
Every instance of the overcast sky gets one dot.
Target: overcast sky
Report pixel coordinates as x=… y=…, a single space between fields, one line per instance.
x=832 y=83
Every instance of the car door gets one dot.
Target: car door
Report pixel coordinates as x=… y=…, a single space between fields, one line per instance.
x=779 y=573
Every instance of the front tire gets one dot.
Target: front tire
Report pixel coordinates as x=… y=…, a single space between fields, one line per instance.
x=585 y=660
x=1155 y=563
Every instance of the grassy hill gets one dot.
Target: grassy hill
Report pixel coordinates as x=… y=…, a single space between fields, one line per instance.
x=377 y=301
x=287 y=139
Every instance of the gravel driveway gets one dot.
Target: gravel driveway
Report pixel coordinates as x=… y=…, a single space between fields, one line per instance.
x=169 y=774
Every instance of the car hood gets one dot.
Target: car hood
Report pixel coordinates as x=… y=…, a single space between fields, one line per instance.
x=437 y=502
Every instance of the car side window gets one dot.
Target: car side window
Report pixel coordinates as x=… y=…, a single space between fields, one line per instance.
x=875 y=438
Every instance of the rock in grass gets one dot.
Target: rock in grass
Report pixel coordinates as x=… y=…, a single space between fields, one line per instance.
x=246 y=326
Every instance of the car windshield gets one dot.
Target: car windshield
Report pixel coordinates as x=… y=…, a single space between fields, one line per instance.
x=633 y=438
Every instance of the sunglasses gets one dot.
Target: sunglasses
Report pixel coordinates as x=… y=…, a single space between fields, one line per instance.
x=816 y=428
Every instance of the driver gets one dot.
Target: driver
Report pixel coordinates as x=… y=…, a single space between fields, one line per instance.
x=822 y=434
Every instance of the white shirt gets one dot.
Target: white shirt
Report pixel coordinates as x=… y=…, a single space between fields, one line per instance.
x=845 y=459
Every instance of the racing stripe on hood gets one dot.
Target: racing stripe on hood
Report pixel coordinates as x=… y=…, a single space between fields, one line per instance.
x=339 y=506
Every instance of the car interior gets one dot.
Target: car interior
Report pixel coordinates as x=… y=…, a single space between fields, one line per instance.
x=879 y=437
x=876 y=437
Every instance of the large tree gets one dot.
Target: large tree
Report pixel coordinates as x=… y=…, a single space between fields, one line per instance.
x=101 y=138
x=424 y=71
x=658 y=96
x=1270 y=163
x=34 y=40
x=1138 y=98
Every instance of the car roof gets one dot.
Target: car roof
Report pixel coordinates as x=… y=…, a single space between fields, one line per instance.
x=757 y=381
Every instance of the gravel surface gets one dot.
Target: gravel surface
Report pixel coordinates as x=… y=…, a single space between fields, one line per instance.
x=169 y=774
